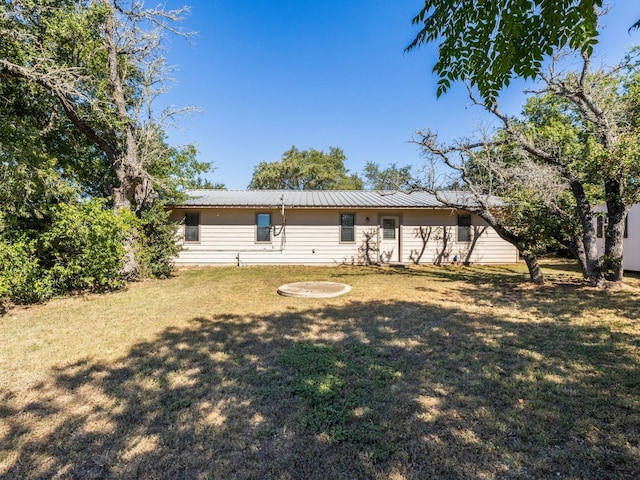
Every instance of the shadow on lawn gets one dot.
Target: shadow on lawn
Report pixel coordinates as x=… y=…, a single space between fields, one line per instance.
x=361 y=391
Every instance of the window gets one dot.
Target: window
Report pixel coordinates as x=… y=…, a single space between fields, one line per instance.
x=464 y=228
x=389 y=228
x=347 y=229
x=626 y=226
x=263 y=230
x=191 y=227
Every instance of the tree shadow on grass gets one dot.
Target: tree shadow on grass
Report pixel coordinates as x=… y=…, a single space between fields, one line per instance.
x=366 y=390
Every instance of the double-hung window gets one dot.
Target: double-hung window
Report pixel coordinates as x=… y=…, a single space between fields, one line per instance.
x=347 y=227
x=263 y=227
x=191 y=227
x=464 y=228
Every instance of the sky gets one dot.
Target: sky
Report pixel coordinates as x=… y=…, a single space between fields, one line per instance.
x=270 y=74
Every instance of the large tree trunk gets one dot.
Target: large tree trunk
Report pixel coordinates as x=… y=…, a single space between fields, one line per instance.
x=614 y=237
x=134 y=190
x=535 y=272
x=591 y=261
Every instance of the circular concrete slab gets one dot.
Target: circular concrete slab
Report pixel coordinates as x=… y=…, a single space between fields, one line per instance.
x=313 y=289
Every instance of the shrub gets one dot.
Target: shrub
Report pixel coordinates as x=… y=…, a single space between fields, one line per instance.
x=22 y=279
x=84 y=247
x=158 y=246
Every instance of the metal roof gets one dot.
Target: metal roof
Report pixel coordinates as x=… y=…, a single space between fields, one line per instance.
x=310 y=199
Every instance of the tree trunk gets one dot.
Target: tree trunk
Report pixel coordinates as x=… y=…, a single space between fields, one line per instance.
x=591 y=261
x=614 y=237
x=535 y=272
x=134 y=191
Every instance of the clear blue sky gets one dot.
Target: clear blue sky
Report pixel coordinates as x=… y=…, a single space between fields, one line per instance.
x=269 y=74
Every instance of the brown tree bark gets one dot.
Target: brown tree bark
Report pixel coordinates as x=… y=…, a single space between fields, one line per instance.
x=614 y=237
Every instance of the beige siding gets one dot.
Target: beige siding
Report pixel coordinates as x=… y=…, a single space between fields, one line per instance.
x=312 y=236
x=631 y=259
x=431 y=236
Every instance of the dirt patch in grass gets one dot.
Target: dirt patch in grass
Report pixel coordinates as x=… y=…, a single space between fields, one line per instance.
x=420 y=373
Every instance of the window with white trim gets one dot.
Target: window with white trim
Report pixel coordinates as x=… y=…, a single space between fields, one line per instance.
x=263 y=227
x=347 y=227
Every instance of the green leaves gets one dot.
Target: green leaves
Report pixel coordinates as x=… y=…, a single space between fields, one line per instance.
x=390 y=178
x=490 y=42
x=306 y=170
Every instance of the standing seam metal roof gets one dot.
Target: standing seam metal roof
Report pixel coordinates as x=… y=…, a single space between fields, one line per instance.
x=310 y=199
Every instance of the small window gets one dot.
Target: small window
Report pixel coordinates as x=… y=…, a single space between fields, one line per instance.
x=192 y=227
x=347 y=229
x=263 y=230
x=389 y=228
x=464 y=228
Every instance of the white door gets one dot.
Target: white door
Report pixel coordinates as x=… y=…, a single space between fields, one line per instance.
x=389 y=239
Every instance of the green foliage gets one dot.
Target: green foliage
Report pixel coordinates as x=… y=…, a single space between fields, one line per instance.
x=492 y=42
x=157 y=246
x=77 y=82
x=390 y=178
x=172 y=168
x=84 y=248
x=22 y=278
x=306 y=170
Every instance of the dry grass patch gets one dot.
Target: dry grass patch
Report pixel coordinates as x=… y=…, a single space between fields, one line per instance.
x=418 y=373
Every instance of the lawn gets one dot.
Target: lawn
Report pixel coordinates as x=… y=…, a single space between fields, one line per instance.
x=431 y=372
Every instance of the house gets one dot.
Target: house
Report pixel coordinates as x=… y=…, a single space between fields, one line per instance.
x=631 y=241
x=331 y=227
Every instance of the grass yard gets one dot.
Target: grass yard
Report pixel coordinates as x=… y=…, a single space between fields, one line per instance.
x=447 y=372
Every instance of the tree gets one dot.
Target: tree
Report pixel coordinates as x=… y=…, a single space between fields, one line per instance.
x=489 y=43
x=581 y=127
x=306 y=170
x=483 y=175
x=97 y=66
x=596 y=111
x=102 y=63
x=390 y=178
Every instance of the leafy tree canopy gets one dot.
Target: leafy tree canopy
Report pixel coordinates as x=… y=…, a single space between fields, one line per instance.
x=390 y=178
x=306 y=170
x=490 y=42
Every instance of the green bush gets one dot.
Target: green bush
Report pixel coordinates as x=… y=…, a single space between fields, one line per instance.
x=158 y=246
x=84 y=248
x=22 y=279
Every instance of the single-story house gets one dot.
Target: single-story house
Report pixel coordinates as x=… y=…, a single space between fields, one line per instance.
x=252 y=227
x=631 y=242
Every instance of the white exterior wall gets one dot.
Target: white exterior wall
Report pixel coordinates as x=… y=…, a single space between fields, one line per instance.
x=312 y=236
x=631 y=244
